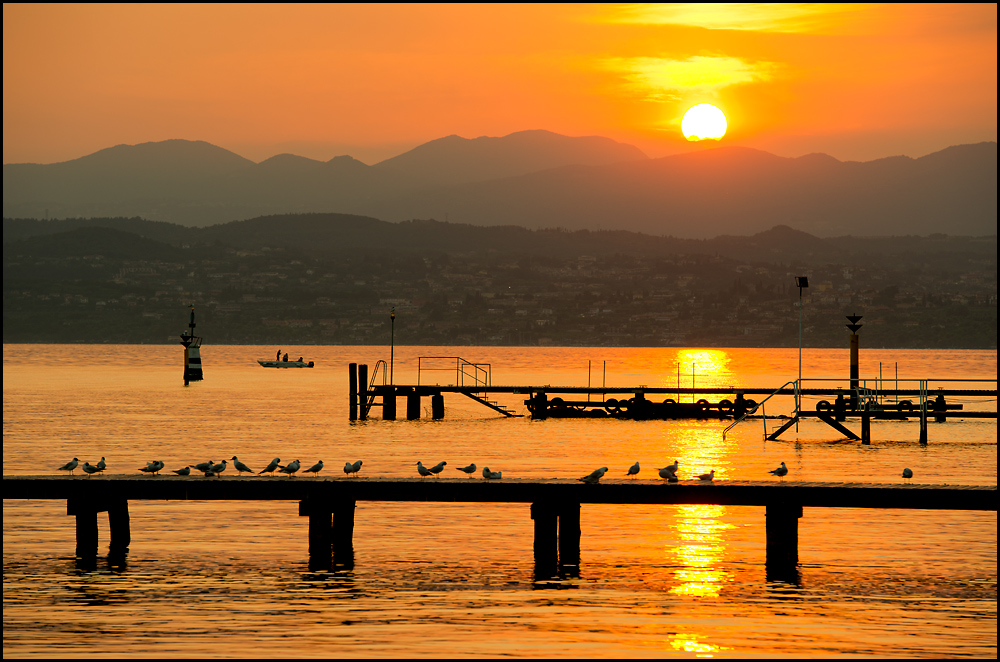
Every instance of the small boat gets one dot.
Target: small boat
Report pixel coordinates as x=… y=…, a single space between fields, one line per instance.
x=284 y=364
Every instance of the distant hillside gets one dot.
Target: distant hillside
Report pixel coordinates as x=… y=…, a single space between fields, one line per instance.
x=531 y=179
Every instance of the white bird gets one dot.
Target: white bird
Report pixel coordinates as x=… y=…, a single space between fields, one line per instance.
x=240 y=467
x=492 y=475
x=89 y=469
x=153 y=467
x=633 y=470
x=594 y=476
x=204 y=466
x=669 y=473
x=290 y=468
x=471 y=469
x=422 y=470
x=710 y=476
x=101 y=464
x=437 y=468
x=218 y=468
x=71 y=465
x=907 y=473
x=316 y=468
x=183 y=471
x=352 y=467
x=672 y=468
x=780 y=472
x=269 y=469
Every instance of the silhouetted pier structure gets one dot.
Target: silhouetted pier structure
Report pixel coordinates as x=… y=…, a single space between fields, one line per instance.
x=857 y=400
x=330 y=504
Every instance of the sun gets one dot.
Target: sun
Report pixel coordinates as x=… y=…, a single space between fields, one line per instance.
x=704 y=122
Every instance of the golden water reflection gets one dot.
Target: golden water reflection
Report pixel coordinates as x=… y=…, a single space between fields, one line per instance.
x=698 y=558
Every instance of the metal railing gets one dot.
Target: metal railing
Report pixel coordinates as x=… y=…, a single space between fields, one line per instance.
x=467 y=373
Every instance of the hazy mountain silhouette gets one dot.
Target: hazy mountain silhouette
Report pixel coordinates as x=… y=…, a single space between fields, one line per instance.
x=535 y=179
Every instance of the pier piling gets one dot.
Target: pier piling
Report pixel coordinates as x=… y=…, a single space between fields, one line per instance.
x=412 y=406
x=352 y=370
x=782 y=536
x=437 y=406
x=389 y=403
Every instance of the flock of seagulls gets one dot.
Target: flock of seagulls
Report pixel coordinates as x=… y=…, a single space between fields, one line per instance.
x=211 y=469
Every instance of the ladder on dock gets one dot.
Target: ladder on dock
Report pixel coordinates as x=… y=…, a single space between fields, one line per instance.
x=474 y=376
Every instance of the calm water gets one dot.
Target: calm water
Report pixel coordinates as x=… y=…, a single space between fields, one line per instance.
x=231 y=578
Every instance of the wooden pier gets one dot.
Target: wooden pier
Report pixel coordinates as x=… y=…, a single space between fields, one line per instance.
x=330 y=503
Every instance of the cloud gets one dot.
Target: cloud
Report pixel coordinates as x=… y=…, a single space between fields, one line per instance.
x=662 y=79
x=759 y=17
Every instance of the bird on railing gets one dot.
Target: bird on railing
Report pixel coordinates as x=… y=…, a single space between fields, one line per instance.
x=183 y=471
x=218 y=468
x=89 y=469
x=471 y=469
x=594 y=476
x=907 y=473
x=204 y=466
x=437 y=468
x=290 y=468
x=240 y=467
x=780 y=472
x=269 y=469
x=709 y=477
x=633 y=470
x=669 y=472
x=71 y=465
x=314 y=469
x=422 y=470
x=101 y=465
x=152 y=467
x=352 y=467
x=492 y=475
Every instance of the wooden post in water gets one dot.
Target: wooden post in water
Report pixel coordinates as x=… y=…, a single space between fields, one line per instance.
x=866 y=426
x=342 y=533
x=412 y=405
x=546 y=540
x=353 y=377
x=363 y=390
x=569 y=537
x=389 y=403
x=782 y=537
x=320 y=532
x=437 y=406
x=120 y=525
x=86 y=528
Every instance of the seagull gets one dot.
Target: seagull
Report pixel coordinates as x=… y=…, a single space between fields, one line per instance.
x=184 y=471
x=594 y=476
x=316 y=468
x=71 y=465
x=269 y=469
x=219 y=468
x=102 y=465
x=89 y=469
x=240 y=467
x=492 y=475
x=290 y=468
x=780 y=472
x=672 y=468
x=437 y=468
x=907 y=473
x=153 y=467
x=669 y=473
x=422 y=470
x=352 y=467
x=205 y=466
x=710 y=476
x=471 y=469
x=633 y=470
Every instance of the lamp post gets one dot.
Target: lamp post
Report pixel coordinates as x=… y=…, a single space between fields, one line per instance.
x=392 y=342
x=801 y=282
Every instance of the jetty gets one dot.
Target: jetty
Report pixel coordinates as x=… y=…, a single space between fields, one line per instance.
x=554 y=505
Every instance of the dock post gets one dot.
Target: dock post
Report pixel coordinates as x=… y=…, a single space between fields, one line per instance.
x=353 y=377
x=320 y=532
x=839 y=408
x=866 y=427
x=86 y=526
x=412 y=405
x=940 y=406
x=437 y=406
x=546 y=540
x=120 y=525
x=923 y=424
x=569 y=538
x=342 y=533
x=389 y=403
x=782 y=539
x=363 y=390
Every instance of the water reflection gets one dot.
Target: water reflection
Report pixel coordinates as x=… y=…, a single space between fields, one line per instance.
x=698 y=558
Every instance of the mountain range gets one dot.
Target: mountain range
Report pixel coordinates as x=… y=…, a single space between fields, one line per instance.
x=532 y=179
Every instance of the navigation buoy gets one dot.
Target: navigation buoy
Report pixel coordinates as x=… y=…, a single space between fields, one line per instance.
x=192 y=353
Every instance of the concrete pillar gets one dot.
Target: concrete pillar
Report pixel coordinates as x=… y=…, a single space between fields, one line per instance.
x=412 y=406
x=389 y=403
x=782 y=536
x=437 y=406
x=353 y=378
x=546 y=540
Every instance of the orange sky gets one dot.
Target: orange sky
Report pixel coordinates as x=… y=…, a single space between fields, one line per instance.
x=857 y=81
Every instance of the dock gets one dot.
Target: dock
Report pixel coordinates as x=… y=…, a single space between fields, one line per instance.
x=554 y=505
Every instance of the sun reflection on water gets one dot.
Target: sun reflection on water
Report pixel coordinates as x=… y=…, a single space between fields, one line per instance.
x=699 y=557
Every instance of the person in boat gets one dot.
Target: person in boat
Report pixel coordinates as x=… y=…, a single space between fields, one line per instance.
x=278 y=357
x=300 y=359
x=286 y=358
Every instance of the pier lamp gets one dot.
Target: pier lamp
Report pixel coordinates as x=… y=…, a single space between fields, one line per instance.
x=392 y=341
x=801 y=282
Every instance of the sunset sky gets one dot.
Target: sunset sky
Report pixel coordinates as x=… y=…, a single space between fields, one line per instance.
x=857 y=81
